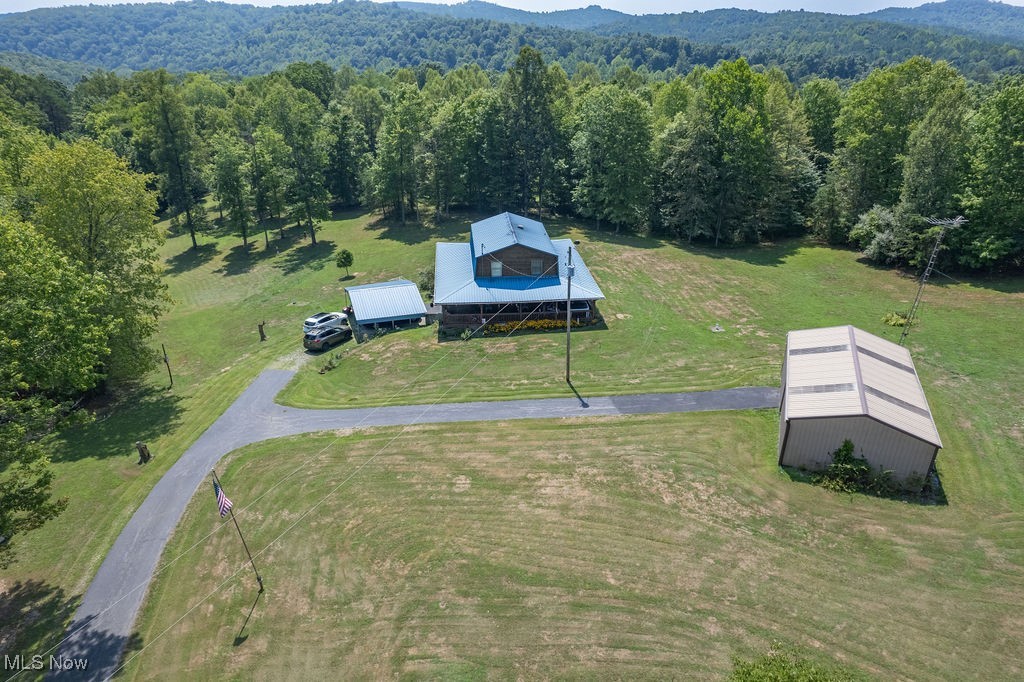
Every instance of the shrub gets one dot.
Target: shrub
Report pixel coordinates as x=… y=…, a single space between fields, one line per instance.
x=331 y=363
x=894 y=318
x=851 y=474
x=425 y=280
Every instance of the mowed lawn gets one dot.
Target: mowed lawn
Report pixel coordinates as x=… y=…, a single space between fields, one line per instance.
x=662 y=301
x=649 y=547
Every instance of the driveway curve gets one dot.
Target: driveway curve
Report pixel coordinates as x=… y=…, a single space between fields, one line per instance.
x=102 y=626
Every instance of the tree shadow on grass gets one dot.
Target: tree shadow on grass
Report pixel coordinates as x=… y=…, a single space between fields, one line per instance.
x=32 y=617
x=190 y=259
x=104 y=651
x=1006 y=283
x=560 y=228
x=139 y=414
x=241 y=259
x=416 y=232
x=32 y=623
x=768 y=254
x=310 y=256
x=347 y=212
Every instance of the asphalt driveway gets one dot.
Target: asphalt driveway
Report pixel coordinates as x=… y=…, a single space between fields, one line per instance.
x=102 y=626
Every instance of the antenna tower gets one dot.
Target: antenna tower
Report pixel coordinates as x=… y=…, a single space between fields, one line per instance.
x=946 y=224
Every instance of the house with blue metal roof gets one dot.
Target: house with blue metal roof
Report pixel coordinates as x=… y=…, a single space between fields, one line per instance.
x=510 y=271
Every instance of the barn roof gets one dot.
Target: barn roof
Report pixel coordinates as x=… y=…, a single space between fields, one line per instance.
x=454 y=281
x=506 y=229
x=398 y=299
x=845 y=371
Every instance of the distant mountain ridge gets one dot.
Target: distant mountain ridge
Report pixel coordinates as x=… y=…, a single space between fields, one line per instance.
x=978 y=17
x=574 y=19
x=245 y=40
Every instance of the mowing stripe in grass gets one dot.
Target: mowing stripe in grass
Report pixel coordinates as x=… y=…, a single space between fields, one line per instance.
x=108 y=609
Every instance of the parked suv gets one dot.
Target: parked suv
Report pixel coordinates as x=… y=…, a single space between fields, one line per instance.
x=324 y=320
x=325 y=337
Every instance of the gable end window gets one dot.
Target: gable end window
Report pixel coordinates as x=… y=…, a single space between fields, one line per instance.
x=495 y=268
x=536 y=265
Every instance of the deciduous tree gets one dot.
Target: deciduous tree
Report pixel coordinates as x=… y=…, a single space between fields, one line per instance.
x=612 y=157
x=165 y=129
x=99 y=214
x=43 y=367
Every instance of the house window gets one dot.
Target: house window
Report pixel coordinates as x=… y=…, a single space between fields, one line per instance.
x=495 y=268
x=536 y=265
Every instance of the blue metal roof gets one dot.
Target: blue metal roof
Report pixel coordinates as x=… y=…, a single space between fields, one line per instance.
x=396 y=300
x=504 y=230
x=454 y=282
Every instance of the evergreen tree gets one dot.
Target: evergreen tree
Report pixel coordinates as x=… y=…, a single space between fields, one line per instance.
x=396 y=173
x=528 y=98
x=822 y=100
x=345 y=155
x=688 y=172
x=295 y=115
x=165 y=129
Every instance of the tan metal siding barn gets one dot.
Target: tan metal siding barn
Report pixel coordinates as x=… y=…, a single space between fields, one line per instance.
x=842 y=383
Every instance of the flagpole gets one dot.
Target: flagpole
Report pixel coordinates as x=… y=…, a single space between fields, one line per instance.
x=241 y=537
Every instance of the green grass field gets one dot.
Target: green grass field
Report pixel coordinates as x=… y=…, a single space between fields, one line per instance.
x=662 y=300
x=626 y=548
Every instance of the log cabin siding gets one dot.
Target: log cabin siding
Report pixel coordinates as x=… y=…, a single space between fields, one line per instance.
x=516 y=262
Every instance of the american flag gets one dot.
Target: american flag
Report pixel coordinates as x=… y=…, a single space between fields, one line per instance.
x=223 y=503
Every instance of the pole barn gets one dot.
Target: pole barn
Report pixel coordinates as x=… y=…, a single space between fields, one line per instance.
x=842 y=383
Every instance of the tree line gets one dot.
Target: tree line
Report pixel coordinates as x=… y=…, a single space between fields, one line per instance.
x=725 y=155
x=80 y=293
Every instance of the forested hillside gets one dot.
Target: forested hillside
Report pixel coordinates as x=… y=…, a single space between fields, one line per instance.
x=576 y=19
x=809 y=43
x=245 y=40
x=969 y=16
x=65 y=72
x=813 y=43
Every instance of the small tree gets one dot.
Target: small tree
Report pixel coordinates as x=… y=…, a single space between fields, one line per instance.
x=345 y=260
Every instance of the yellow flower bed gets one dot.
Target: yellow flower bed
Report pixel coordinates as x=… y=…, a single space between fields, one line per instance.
x=528 y=325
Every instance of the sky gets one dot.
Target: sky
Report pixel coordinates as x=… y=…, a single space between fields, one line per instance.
x=630 y=6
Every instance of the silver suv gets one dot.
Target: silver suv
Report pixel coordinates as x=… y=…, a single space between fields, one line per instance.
x=323 y=321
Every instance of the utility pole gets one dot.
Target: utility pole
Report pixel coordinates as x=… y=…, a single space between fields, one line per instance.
x=570 y=269
x=946 y=224
x=168 y=363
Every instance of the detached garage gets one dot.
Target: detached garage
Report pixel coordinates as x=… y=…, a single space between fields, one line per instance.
x=842 y=383
x=395 y=303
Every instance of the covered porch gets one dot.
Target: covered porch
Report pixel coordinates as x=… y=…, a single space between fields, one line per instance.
x=468 y=315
